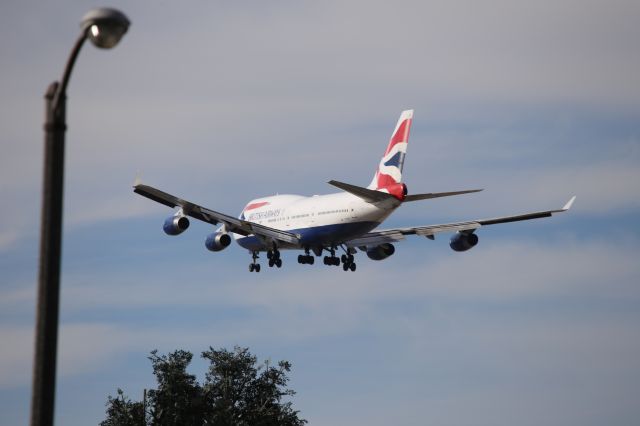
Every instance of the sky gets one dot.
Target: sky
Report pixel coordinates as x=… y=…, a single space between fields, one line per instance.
x=220 y=102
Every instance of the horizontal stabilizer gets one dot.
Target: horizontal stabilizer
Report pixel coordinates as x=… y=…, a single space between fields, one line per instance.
x=416 y=197
x=368 y=195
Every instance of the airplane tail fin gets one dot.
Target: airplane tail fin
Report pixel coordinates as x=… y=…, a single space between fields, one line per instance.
x=389 y=172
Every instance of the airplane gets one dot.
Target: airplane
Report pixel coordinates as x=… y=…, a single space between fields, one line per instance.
x=326 y=223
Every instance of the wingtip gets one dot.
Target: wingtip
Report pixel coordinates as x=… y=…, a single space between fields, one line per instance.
x=138 y=180
x=569 y=203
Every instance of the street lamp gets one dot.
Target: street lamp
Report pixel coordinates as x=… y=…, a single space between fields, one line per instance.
x=104 y=27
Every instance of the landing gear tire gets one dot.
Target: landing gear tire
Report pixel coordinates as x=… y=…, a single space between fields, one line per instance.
x=273 y=254
x=332 y=260
x=305 y=259
x=276 y=261
x=348 y=262
x=254 y=266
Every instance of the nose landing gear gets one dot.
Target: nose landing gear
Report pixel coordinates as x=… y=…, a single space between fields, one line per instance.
x=254 y=266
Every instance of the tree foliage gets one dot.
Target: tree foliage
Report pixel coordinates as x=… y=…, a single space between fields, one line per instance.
x=121 y=411
x=236 y=391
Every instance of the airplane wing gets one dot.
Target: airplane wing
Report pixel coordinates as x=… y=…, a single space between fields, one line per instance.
x=204 y=214
x=398 y=234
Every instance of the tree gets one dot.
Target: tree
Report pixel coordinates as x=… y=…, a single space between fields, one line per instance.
x=239 y=393
x=178 y=399
x=236 y=391
x=121 y=411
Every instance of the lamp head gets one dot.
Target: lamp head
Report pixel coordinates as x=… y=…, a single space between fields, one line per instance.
x=104 y=26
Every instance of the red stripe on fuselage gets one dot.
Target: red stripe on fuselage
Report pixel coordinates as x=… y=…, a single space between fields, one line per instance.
x=255 y=205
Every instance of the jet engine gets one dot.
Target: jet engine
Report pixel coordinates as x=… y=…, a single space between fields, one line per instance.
x=175 y=225
x=217 y=241
x=462 y=241
x=381 y=252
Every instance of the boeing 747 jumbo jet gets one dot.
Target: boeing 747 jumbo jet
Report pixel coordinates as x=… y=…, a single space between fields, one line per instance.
x=325 y=223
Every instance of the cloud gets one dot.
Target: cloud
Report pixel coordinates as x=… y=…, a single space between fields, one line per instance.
x=556 y=370
x=462 y=49
x=534 y=102
x=515 y=270
x=298 y=306
x=499 y=325
x=15 y=355
x=509 y=270
x=8 y=238
x=86 y=347
x=240 y=88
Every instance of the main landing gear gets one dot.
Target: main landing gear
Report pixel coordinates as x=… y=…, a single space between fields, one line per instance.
x=306 y=258
x=332 y=260
x=348 y=263
x=274 y=258
x=254 y=266
x=347 y=260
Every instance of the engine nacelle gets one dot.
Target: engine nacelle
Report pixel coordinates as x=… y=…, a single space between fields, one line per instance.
x=217 y=241
x=175 y=225
x=381 y=252
x=461 y=241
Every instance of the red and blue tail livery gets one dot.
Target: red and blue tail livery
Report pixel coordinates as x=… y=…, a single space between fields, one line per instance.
x=389 y=172
x=335 y=226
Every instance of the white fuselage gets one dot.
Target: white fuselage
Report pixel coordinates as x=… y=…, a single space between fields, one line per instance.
x=320 y=220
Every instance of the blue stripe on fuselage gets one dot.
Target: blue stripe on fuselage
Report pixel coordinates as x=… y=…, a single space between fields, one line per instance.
x=316 y=235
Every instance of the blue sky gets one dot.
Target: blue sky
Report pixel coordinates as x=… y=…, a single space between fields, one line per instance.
x=222 y=102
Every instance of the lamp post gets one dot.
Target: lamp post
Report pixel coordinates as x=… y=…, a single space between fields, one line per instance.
x=104 y=27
